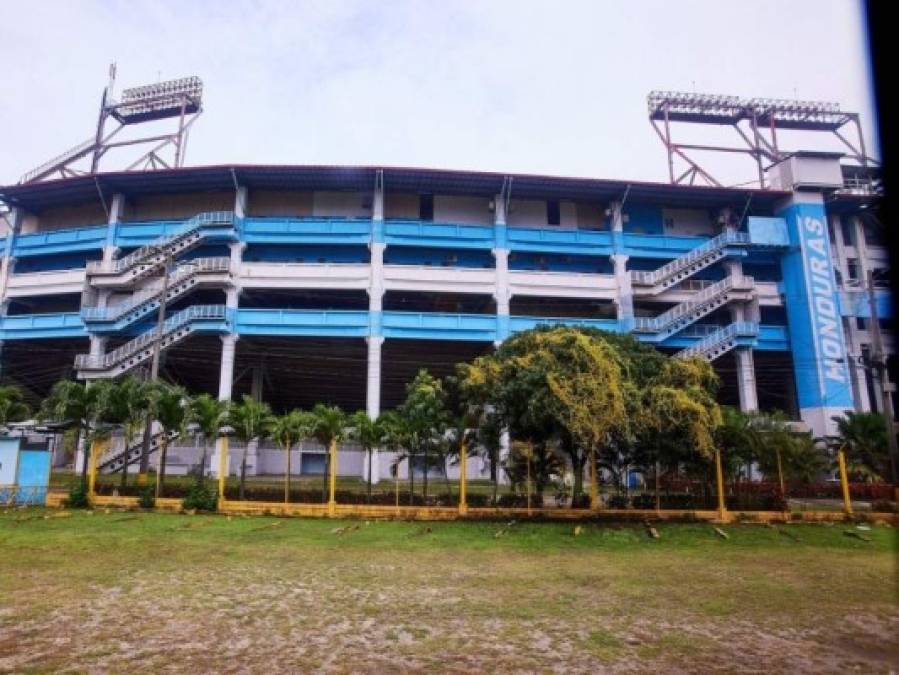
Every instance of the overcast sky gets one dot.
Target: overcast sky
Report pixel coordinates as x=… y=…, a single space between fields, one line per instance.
x=548 y=87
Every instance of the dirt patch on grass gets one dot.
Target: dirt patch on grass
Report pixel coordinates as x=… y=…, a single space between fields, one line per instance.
x=222 y=599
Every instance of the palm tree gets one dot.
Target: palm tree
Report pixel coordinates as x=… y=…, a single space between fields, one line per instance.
x=87 y=407
x=12 y=406
x=168 y=406
x=864 y=435
x=287 y=430
x=249 y=419
x=329 y=428
x=132 y=399
x=370 y=433
x=208 y=414
x=396 y=437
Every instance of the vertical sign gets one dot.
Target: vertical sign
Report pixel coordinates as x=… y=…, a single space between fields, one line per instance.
x=813 y=314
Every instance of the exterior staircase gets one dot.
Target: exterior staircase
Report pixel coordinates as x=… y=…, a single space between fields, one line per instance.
x=146 y=260
x=189 y=275
x=718 y=343
x=131 y=454
x=211 y=318
x=699 y=305
x=679 y=269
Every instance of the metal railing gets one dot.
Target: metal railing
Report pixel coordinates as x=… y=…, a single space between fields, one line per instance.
x=148 y=250
x=733 y=330
x=183 y=272
x=71 y=153
x=173 y=323
x=657 y=323
x=714 y=244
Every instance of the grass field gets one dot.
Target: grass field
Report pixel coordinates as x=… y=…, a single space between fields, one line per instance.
x=136 y=592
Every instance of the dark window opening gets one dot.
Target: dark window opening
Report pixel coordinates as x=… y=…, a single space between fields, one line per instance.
x=846 y=227
x=426 y=207
x=553 y=213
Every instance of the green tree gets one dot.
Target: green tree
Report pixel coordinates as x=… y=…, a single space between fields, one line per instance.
x=208 y=414
x=424 y=413
x=250 y=421
x=12 y=405
x=89 y=408
x=168 y=405
x=329 y=428
x=370 y=434
x=287 y=430
x=396 y=438
x=864 y=438
x=132 y=399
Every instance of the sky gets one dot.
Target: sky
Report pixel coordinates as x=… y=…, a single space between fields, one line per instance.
x=521 y=86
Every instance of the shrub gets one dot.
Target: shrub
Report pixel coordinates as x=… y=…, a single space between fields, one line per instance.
x=517 y=501
x=78 y=496
x=200 y=498
x=884 y=506
x=618 y=502
x=146 y=499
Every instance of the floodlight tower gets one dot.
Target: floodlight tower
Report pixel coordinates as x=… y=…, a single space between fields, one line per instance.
x=755 y=120
x=180 y=99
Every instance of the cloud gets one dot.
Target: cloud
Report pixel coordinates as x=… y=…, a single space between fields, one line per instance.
x=522 y=86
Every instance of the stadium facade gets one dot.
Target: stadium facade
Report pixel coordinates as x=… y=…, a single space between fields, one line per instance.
x=305 y=284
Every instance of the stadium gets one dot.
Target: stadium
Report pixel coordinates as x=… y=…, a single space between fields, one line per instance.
x=305 y=284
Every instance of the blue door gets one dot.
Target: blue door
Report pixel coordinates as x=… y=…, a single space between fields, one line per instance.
x=312 y=464
x=34 y=470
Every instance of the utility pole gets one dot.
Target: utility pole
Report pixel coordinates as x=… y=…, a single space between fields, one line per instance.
x=879 y=370
x=154 y=368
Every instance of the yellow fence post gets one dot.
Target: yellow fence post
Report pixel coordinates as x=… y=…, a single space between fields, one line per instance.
x=463 y=479
x=719 y=479
x=223 y=467
x=98 y=446
x=844 y=482
x=332 y=482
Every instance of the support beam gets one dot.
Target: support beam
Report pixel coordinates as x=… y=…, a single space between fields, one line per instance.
x=219 y=461
x=116 y=208
x=501 y=291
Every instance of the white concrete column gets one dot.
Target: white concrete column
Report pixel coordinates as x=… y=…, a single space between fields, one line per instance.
x=97 y=346
x=746 y=384
x=501 y=292
x=240 y=202
x=625 y=295
x=116 y=208
x=226 y=384
x=373 y=400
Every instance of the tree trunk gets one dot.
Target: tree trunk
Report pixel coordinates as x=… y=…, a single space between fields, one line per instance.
x=287 y=477
x=162 y=458
x=370 y=453
x=578 y=460
x=411 y=478
x=243 y=471
x=494 y=475
x=124 y=478
x=82 y=438
x=203 y=460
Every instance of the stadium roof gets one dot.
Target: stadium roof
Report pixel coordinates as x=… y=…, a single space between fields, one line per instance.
x=38 y=196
